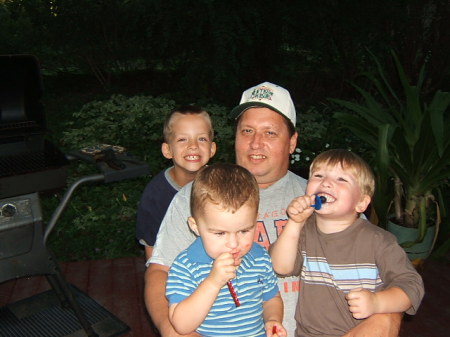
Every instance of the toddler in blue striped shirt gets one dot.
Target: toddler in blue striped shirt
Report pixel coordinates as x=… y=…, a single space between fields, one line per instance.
x=223 y=284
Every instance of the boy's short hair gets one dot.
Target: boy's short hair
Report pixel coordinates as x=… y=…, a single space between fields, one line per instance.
x=228 y=185
x=348 y=161
x=185 y=110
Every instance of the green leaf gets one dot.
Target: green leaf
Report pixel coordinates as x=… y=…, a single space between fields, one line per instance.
x=409 y=137
x=437 y=108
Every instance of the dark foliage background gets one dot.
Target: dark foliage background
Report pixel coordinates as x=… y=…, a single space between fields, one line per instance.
x=96 y=54
x=213 y=49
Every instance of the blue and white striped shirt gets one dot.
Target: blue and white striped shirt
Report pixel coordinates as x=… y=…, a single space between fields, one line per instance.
x=255 y=283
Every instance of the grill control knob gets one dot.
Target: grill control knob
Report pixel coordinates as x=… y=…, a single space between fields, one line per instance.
x=8 y=210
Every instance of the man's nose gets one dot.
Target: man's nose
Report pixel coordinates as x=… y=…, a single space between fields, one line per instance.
x=256 y=141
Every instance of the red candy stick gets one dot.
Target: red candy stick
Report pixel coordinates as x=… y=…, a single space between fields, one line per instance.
x=233 y=294
x=274 y=329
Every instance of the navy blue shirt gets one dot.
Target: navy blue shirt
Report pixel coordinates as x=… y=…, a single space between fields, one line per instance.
x=153 y=205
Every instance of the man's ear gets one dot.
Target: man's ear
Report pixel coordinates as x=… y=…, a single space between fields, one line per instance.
x=293 y=143
x=363 y=204
x=193 y=225
x=165 y=150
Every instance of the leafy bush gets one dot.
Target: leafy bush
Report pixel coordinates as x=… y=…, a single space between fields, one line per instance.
x=312 y=129
x=136 y=123
x=99 y=221
x=317 y=133
x=133 y=122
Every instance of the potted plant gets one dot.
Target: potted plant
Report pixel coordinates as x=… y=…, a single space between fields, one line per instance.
x=410 y=140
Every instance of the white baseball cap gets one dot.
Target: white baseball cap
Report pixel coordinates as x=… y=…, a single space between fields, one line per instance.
x=267 y=95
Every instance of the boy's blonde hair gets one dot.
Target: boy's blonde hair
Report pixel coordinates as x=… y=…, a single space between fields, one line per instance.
x=348 y=161
x=185 y=110
x=228 y=185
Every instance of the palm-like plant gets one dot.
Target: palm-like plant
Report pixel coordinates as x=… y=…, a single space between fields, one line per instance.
x=411 y=142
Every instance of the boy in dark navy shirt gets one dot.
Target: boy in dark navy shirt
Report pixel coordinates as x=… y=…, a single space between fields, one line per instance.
x=188 y=141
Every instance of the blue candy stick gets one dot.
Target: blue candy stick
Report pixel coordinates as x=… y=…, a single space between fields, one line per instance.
x=318 y=202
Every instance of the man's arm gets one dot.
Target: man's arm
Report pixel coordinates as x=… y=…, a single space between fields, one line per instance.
x=155 y=298
x=156 y=301
x=148 y=252
x=378 y=325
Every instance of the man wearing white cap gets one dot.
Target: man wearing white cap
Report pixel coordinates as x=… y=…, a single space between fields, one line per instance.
x=265 y=138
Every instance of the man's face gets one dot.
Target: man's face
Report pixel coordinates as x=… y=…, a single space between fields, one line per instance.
x=263 y=145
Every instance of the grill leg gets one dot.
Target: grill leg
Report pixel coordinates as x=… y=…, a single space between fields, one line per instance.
x=67 y=299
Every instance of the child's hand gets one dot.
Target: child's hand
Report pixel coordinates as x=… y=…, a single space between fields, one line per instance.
x=361 y=303
x=223 y=270
x=275 y=329
x=300 y=208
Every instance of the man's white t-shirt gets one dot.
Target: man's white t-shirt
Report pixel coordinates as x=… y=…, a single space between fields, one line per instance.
x=174 y=235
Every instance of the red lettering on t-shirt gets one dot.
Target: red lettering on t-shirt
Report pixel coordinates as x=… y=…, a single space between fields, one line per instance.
x=291 y=287
x=261 y=235
x=279 y=225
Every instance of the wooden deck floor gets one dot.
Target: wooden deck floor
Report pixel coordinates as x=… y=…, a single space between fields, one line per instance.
x=118 y=286
x=115 y=284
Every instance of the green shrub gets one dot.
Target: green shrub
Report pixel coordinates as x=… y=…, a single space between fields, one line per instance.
x=312 y=128
x=100 y=219
x=133 y=122
x=99 y=222
x=137 y=123
x=224 y=133
x=317 y=131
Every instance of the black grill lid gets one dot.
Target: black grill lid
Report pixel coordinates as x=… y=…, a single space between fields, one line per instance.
x=20 y=90
x=28 y=162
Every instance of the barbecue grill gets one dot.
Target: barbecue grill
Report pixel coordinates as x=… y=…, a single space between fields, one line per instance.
x=30 y=164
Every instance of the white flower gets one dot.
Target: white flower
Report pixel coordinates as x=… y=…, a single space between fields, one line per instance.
x=295 y=157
